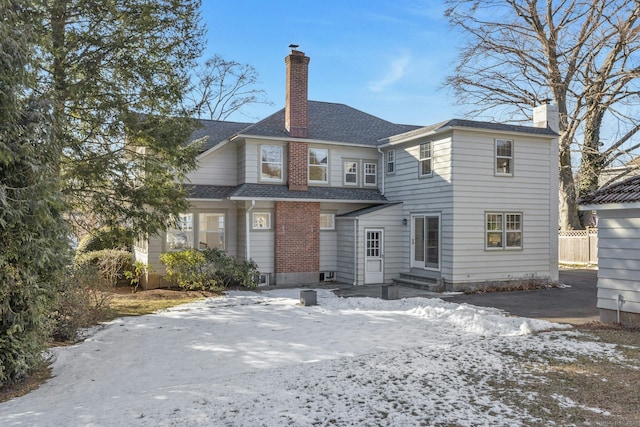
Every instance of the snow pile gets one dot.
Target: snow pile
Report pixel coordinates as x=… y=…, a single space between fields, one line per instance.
x=261 y=359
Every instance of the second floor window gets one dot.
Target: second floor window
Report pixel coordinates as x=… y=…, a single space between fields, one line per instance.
x=318 y=165
x=425 y=159
x=391 y=161
x=504 y=157
x=271 y=163
x=370 y=174
x=351 y=173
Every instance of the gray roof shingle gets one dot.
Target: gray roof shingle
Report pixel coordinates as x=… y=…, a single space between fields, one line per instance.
x=333 y=122
x=275 y=192
x=216 y=131
x=368 y=210
x=627 y=191
x=214 y=192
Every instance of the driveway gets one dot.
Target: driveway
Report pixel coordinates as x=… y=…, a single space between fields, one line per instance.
x=575 y=303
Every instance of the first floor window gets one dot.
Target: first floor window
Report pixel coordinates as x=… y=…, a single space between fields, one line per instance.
x=318 y=165
x=181 y=237
x=425 y=159
x=211 y=231
x=261 y=221
x=504 y=157
x=391 y=161
x=370 y=174
x=351 y=173
x=503 y=230
x=327 y=221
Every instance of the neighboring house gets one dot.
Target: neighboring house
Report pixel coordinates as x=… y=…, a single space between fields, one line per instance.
x=618 y=208
x=321 y=191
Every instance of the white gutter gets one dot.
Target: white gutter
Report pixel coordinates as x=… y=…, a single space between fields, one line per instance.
x=382 y=171
x=248 y=230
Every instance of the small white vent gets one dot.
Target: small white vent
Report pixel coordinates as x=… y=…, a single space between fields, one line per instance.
x=328 y=276
x=263 y=279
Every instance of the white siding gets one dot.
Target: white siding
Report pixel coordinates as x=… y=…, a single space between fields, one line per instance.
x=345 y=229
x=216 y=168
x=477 y=190
x=263 y=241
x=425 y=195
x=395 y=235
x=619 y=259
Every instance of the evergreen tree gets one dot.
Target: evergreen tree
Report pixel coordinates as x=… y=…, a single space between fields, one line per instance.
x=32 y=230
x=118 y=71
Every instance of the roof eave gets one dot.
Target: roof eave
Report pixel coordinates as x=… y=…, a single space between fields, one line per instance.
x=307 y=140
x=415 y=134
x=609 y=206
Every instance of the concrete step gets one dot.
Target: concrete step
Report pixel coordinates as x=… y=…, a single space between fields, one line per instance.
x=424 y=283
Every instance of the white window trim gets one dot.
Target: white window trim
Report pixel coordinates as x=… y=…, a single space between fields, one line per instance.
x=392 y=162
x=345 y=173
x=333 y=221
x=309 y=165
x=503 y=231
x=497 y=157
x=429 y=159
x=281 y=179
x=365 y=174
x=253 y=220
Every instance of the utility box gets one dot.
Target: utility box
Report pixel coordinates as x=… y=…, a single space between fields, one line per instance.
x=308 y=297
x=390 y=292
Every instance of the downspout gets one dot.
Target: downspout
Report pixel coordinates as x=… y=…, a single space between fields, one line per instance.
x=355 y=251
x=382 y=171
x=248 y=230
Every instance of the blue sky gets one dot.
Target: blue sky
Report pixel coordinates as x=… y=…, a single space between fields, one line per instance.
x=387 y=58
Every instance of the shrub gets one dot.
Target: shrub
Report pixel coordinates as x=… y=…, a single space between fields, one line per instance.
x=210 y=269
x=83 y=299
x=106 y=238
x=111 y=264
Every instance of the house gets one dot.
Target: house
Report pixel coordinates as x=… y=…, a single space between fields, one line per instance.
x=321 y=191
x=618 y=208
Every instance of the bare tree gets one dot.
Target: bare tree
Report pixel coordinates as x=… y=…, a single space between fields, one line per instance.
x=582 y=54
x=222 y=87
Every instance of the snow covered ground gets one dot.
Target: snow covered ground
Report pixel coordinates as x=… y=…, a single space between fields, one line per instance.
x=262 y=359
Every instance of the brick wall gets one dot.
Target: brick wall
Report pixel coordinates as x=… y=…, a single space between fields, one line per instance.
x=296 y=114
x=297 y=167
x=297 y=238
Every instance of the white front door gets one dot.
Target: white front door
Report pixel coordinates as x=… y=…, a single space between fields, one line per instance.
x=374 y=256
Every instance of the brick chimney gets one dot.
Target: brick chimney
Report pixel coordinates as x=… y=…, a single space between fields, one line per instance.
x=296 y=118
x=296 y=110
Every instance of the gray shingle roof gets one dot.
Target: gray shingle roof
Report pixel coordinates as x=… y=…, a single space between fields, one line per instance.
x=209 y=191
x=272 y=191
x=497 y=126
x=368 y=210
x=627 y=191
x=216 y=131
x=275 y=192
x=333 y=122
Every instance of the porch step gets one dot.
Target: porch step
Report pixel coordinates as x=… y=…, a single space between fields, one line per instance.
x=420 y=282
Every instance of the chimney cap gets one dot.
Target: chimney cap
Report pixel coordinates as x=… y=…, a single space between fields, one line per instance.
x=294 y=46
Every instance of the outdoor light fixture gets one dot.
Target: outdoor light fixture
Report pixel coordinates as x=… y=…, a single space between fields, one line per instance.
x=404 y=221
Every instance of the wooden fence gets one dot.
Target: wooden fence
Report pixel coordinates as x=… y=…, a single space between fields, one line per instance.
x=578 y=246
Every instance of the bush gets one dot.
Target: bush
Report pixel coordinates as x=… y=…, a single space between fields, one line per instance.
x=210 y=269
x=111 y=264
x=84 y=298
x=106 y=238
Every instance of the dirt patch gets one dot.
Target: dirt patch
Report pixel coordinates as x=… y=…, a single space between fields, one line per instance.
x=160 y=294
